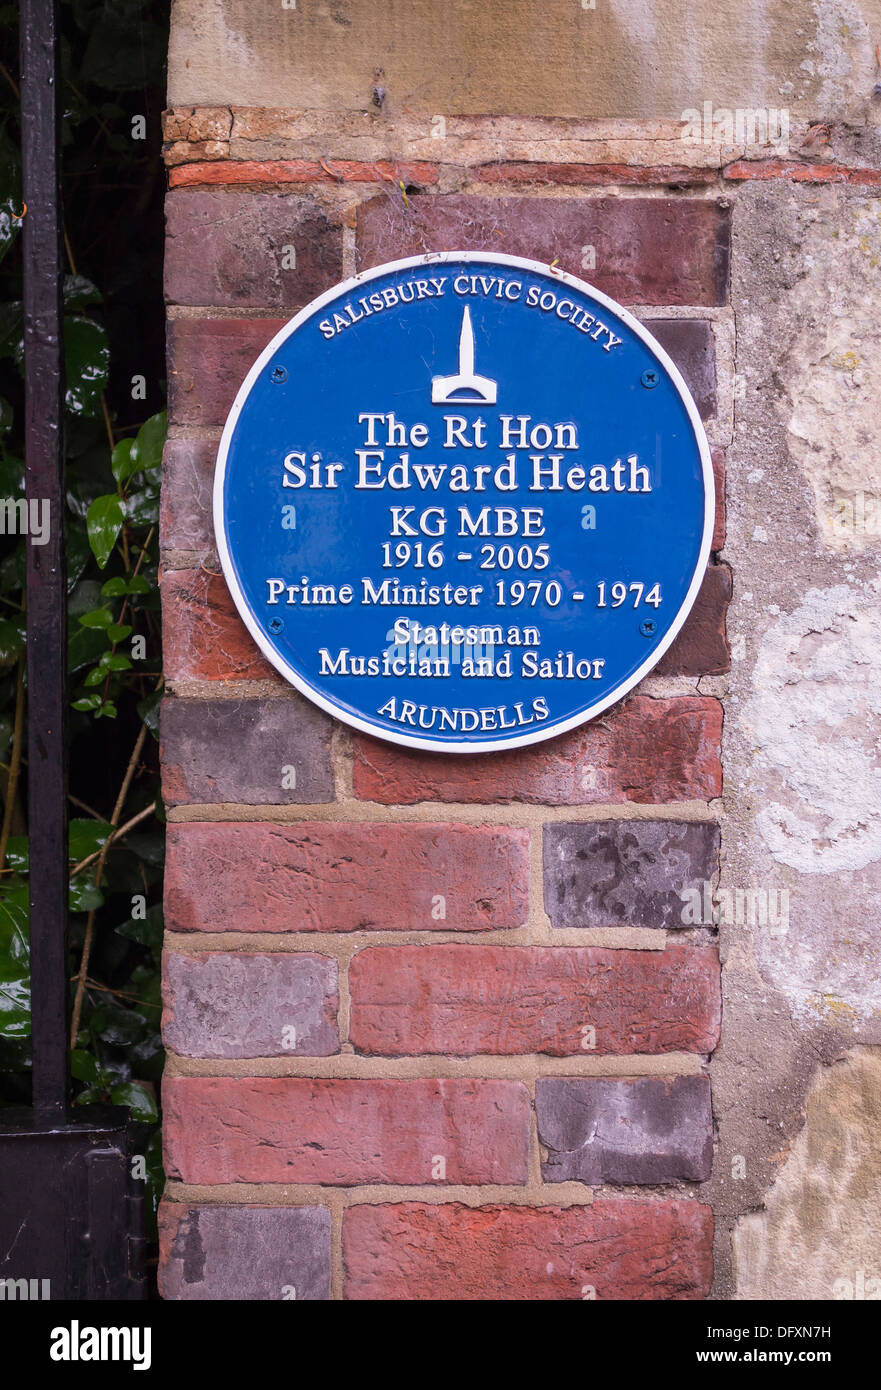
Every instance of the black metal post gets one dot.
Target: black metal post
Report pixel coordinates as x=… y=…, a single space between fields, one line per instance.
x=46 y=568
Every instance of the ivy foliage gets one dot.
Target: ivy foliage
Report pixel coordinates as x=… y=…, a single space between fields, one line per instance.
x=112 y=52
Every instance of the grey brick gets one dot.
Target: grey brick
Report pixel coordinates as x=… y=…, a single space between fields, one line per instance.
x=626 y=873
x=235 y=750
x=648 y=1130
x=244 y=1252
x=238 y=1005
x=185 y=520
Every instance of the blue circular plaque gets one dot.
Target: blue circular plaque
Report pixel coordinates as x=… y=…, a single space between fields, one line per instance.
x=464 y=502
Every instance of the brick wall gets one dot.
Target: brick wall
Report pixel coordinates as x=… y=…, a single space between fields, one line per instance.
x=435 y=1026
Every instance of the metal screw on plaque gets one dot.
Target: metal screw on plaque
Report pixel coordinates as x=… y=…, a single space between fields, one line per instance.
x=278 y=374
x=648 y=627
x=275 y=626
x=650 y=378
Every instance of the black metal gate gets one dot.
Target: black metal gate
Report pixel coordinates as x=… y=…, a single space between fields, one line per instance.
x=71 y=1216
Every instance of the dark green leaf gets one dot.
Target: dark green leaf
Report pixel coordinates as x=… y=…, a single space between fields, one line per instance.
x=12 y=634
x=17 y=853
x=78 y=555
x=147 y=931
x=84 y=1066
x=119 y=1026
x=86 y=836
x=139 y=1100
x=85 y=597
x=86 y=364
x=90 y=1096
x=125 y=53
x=148 y=1057
x=79 y=292
x=146 y=982
x=5 y=735
x=147 y=447
x=15 y=1005
x=149 y=846
x=115 y=661
x=114 y=588
x=86 y=703
x=104 y=523
x=122 y=463
x=83 y=896
x=117 y=587
x=11 y=475
x=96 y=617
x=142 y=507
x=85 y=647
x=12 y=331
x=13 y=569
x=11 y=208
x=148 y=709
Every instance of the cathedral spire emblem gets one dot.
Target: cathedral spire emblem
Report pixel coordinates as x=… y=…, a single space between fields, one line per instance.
x=466 y=387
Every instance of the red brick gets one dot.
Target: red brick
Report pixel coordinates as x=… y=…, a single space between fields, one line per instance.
x=648 y=250
x=256 y=173
x=296 y=1129
x=313 y=876
x=514 y=1000
x=227 y=248
x=620 y=1249
x=643 y=750
x=801 y=173
x=719 y=478
x=701 y=649
x=520 y=172
x=208 y=359
x=203 y=636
